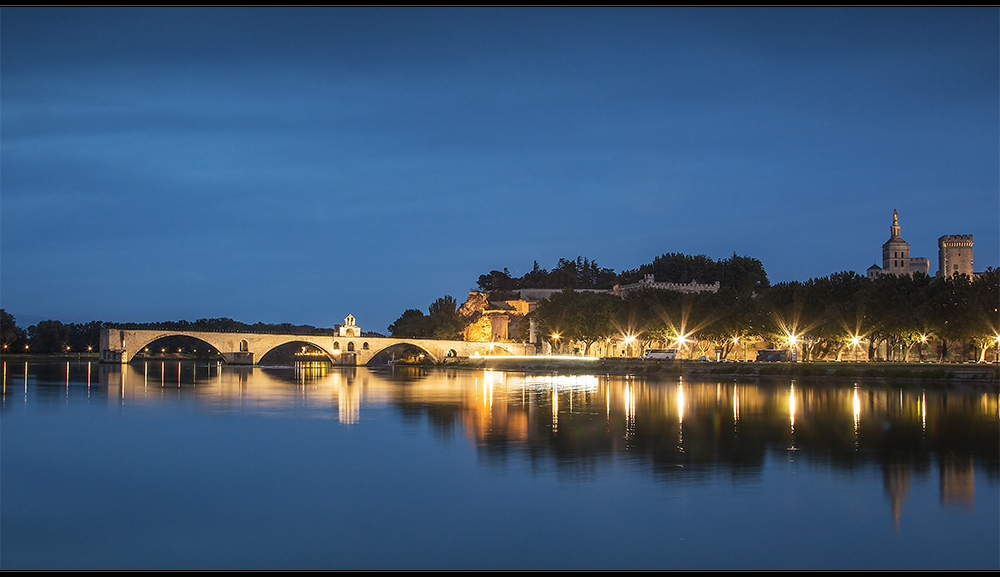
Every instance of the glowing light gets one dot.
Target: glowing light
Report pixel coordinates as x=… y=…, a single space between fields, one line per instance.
x=791 y=406
x=857 y=408
x=537 y=357
x=680 y=403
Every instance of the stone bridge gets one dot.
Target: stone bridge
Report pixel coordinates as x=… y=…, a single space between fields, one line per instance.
x=122 y=346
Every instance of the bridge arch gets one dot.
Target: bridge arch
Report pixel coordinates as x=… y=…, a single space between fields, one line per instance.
x=140 y=348
x=261 y=354
x=382 y=355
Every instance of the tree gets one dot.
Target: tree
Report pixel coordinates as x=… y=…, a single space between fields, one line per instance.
x=48 y=337
x=412 y=323
x=441 y=323
x=584 y=317
x=12 y=336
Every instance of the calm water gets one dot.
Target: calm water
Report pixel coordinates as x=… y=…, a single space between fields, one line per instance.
x=170 y=465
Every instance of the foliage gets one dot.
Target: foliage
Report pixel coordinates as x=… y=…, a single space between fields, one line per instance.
x=568 y=273
x=14 y=337
x=743 y=274
x=584 y=317
x=442 y=322
x=827 y=317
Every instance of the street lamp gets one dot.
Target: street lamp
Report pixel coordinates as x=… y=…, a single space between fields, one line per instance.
x=793 y=341
x=629 y=339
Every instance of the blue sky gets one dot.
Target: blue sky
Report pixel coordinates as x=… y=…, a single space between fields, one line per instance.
x=297 y=165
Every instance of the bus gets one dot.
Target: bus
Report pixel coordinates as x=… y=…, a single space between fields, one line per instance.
x=661 y=354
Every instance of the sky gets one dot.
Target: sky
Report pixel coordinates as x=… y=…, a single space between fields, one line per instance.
x=299 y=164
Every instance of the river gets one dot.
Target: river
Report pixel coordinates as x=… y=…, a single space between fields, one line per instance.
x=182 y=465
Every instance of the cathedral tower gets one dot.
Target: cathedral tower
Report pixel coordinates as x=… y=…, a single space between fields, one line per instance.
x=895 y=251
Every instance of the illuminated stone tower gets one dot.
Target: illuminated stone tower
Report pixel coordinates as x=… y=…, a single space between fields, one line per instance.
x=955 y=255
x=895 y=251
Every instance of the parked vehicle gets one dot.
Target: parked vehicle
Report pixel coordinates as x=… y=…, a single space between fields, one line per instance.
x=777 y=355
x=661 y=354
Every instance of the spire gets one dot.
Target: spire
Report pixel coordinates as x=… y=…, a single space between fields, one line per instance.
x=894 y=230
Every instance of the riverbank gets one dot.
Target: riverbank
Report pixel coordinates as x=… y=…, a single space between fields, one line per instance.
x=988 y=374
x=32 y=358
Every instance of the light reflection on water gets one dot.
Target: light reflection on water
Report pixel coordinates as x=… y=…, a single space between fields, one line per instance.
x=411 y=468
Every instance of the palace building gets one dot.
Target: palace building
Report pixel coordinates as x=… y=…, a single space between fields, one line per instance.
x=954 y=255
x=896 y=255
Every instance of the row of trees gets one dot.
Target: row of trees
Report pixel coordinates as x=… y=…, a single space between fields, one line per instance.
x=580 y=273
x=48 y=336
x=823 y=318
x=741 y=273
x=227 y=325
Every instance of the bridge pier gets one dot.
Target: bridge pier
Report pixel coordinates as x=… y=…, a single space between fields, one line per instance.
x=238 y=358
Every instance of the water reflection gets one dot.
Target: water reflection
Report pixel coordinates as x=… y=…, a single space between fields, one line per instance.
x=913 y=447
x=706 y=424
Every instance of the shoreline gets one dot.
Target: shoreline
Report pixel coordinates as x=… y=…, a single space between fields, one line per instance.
x=952 y=373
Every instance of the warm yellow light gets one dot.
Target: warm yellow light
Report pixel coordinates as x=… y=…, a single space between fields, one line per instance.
x=855 y=341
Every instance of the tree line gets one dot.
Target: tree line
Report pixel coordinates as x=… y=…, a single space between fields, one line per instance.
x=828 y=317
x=741 y=273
